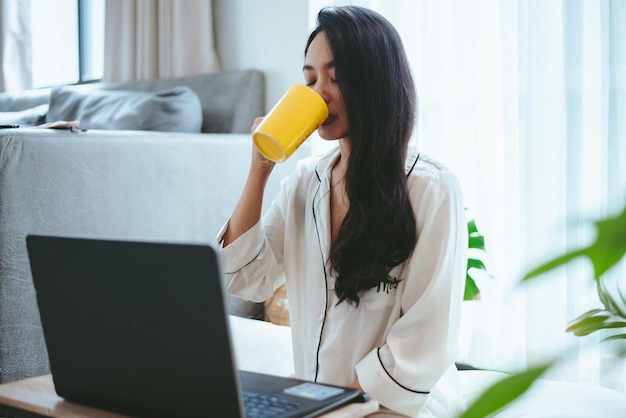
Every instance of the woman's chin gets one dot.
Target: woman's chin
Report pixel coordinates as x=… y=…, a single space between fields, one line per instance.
x=329 y=134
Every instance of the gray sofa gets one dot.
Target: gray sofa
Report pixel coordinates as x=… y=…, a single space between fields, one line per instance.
x=229 y=101
x=123 y=184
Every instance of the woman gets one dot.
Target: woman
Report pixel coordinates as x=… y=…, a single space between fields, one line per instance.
x=371 y=239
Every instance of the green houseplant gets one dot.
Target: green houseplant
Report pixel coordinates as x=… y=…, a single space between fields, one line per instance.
x=475 y=259
x=605 y=252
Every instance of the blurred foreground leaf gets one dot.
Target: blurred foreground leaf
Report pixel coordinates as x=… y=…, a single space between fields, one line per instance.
x=608 y=248
x=503 y=392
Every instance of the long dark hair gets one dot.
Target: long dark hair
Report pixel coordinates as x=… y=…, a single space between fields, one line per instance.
x=371 y=69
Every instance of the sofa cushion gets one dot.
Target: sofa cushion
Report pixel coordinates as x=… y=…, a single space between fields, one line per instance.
x=33 y=116
x=276 y=308
x=175 y=110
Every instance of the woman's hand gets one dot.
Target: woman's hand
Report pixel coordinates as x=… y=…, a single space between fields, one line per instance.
x=248 y=209
x=259 y=160
x=257 y=122
x=356 y=385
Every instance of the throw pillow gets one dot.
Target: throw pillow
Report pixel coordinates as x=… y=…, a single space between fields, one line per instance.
x=173 y=110
x=277 y=307
x=27 y=117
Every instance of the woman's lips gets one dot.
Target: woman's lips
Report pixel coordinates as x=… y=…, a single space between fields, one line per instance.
x=330 y=119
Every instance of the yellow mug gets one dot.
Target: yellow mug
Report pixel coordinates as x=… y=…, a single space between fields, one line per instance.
x=290 y=122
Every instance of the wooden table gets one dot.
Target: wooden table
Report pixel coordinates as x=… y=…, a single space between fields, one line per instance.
x=36 y=398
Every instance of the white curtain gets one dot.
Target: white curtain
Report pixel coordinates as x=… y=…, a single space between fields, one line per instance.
x=526 y=102
x=147 y=39
x=15 y=46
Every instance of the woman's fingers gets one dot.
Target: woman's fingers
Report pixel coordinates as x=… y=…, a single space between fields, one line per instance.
x=257 y=122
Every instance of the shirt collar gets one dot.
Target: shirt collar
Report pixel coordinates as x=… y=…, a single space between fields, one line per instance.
x=328 y=160
x=412 y=155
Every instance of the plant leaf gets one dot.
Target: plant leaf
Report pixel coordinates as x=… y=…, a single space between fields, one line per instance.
x=604 y=297
x=616 y=337
x=587 y=314
x=608 y=248
x=554 y=263
x=588 y=325
x=472 y=292
x=471 y=227
x=610 y=244
x=614 y=324
x=476 y=246
x=610 y=304
x=503 y=392
x=595 y=320
x=586 y=330
x=476 y=241
x=619 y=306
x=475 y=263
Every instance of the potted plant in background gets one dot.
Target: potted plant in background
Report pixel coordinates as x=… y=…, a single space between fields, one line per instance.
x=605 y=252
x=476 y=255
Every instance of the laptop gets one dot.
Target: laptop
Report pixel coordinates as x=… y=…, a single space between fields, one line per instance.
x=141 y=329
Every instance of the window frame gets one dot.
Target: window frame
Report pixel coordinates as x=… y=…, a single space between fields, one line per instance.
x=84 y=35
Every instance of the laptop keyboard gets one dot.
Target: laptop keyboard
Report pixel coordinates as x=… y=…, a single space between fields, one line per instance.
x=260 y=405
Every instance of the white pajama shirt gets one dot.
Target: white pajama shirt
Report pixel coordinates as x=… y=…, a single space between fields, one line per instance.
x=402 y=338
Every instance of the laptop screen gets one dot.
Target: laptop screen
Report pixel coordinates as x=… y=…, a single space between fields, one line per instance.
x=141 y=328
x=135 y=327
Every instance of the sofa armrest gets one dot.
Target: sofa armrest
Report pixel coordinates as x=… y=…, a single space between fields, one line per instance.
x=155 y=186
x=14 y=102
x=230 y=100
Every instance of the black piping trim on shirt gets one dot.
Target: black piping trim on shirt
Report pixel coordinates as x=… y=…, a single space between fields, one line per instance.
x=318 y=179
x=319 y=343
x=394 y=380
x=248 y=263
x=413 y=166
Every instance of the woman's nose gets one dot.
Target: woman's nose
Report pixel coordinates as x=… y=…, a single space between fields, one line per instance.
x=321 y=88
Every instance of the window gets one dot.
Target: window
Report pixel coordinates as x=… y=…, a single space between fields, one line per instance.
x=67 y=41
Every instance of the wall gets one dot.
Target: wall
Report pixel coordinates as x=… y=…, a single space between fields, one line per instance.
x=268 y=35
